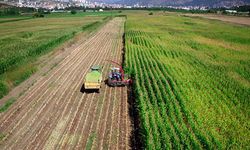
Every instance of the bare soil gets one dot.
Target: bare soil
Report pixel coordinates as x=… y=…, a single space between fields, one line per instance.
x=231 y=19
x=53 y=113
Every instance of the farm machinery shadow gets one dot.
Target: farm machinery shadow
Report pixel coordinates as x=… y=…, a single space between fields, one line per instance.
x=136 y=139
x=88 y=91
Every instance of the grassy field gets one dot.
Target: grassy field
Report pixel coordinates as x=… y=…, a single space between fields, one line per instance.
x=23 y=41
x=82 y=14
x=192 y=81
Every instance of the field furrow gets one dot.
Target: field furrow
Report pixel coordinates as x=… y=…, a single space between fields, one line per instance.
x=56 y=114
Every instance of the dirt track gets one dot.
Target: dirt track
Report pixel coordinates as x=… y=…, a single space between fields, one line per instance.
x=55 y=114
x=231 y=19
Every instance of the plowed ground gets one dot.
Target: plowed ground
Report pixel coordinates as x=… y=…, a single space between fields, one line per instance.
x=55 y=114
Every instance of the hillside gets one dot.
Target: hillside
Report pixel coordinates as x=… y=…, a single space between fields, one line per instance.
x=211 y=3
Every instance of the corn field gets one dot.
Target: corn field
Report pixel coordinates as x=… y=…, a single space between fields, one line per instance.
x=185 y=92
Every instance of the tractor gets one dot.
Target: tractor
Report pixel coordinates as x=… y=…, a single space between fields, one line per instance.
x=117 y=77
x=93 y=79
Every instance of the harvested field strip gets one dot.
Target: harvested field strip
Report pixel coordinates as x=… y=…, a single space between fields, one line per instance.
x=69 y=106
x=67 y=79
x=52 y=78
x=22 y=43
x=54 y=114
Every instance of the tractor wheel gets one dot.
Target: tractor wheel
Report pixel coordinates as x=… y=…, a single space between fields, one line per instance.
x=110 y=83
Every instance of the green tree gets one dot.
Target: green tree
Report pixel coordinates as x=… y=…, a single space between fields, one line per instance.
x=73 y=12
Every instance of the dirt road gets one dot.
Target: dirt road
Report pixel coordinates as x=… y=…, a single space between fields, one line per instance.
x=55 y=114
x=231 y=19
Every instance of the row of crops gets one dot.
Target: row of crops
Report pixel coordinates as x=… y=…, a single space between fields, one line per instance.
x=7 y=62
x=184 y=100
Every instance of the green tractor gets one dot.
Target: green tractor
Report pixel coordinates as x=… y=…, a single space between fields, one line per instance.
x=93 y=79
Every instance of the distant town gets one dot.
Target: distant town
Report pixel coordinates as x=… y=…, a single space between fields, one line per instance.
x=62 y=4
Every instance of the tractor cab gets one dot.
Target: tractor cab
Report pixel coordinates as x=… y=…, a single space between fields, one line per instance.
x=117 y=77
x=115 y=74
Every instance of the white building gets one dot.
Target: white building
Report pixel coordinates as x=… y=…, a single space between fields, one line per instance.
x=231 y=11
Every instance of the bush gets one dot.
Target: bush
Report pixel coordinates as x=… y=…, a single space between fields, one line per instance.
x=47 y=12
x=3 y=89
x=9 y=11
x=119 y=11
x=38 y=15
x=2 y=136
x=74 y=33
x=6 y=105
x=224 y=12
x=73 y=12
x=151 y=13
